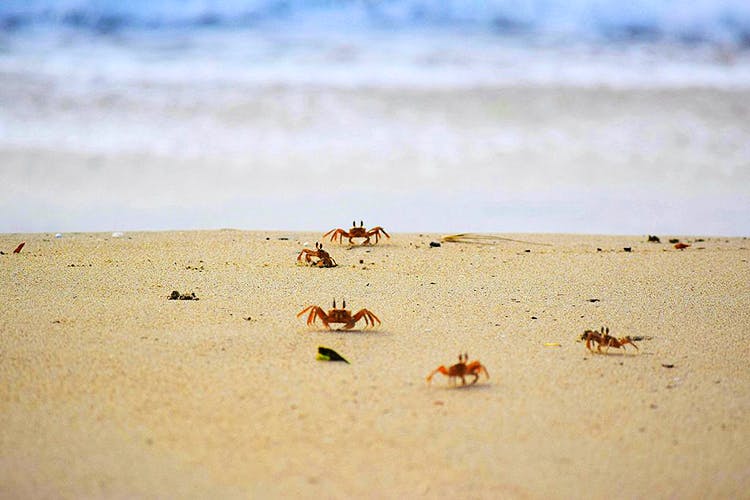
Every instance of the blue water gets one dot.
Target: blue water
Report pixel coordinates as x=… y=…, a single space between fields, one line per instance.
x=422 y=43
x=697 y=21
x=289 y=114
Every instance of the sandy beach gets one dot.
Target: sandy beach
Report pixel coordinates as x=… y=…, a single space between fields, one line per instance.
x=108 y=389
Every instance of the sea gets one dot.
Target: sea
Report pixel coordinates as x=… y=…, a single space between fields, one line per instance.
x=523 y=116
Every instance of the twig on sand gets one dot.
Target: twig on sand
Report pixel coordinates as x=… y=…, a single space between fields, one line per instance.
x=484 y=239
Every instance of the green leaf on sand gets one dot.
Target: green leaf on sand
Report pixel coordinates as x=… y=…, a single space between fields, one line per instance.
x=326 y=354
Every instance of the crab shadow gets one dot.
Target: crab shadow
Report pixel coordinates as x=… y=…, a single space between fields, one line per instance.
x=352 y=333
x=615 y=354
x=356 y=247
x=479 y=386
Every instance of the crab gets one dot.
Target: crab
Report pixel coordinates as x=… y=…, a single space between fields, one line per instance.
x=603 y=338
x=357 y=232
x=324 y=259
x=590 y=336
x=339 y=316
x=461 y=370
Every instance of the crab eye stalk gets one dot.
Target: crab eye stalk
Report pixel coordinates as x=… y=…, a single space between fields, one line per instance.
x=334 y=303
x=344 y=306
x=361 y=224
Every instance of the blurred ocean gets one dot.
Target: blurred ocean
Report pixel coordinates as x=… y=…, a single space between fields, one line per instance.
x=418 y=115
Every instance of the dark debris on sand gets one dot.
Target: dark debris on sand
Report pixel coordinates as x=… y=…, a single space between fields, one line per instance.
x=175 y=295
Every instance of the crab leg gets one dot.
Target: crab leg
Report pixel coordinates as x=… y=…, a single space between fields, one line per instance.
x=376 y=231
x=337 y=232
x=371 y=316
x=354 y=320
x=589 y=341
x=312 y=315
x=628 y=340
x=306 y=253
x=323 y=317
x=303 y=311
x=439 y=369
x=315 y=312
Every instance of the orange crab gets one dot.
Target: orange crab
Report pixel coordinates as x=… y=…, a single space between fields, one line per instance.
x=357 y=232
x=339 y=316
x=324 y=259
x=461 y=370
x=591 y=336
x=603 y=338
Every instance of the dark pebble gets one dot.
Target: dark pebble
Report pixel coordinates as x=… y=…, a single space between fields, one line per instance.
x=674 y=240
x=627 y=249
x=665 y=365
x=175 y=295
x=653 y=239
x=434 y=244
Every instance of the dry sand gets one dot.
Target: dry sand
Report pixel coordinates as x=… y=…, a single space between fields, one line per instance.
x=108 y=389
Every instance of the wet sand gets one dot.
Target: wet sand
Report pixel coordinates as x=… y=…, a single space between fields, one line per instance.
x=109 y=389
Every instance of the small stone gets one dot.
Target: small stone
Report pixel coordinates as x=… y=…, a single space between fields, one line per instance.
x=434 y=244
x=627 y=249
